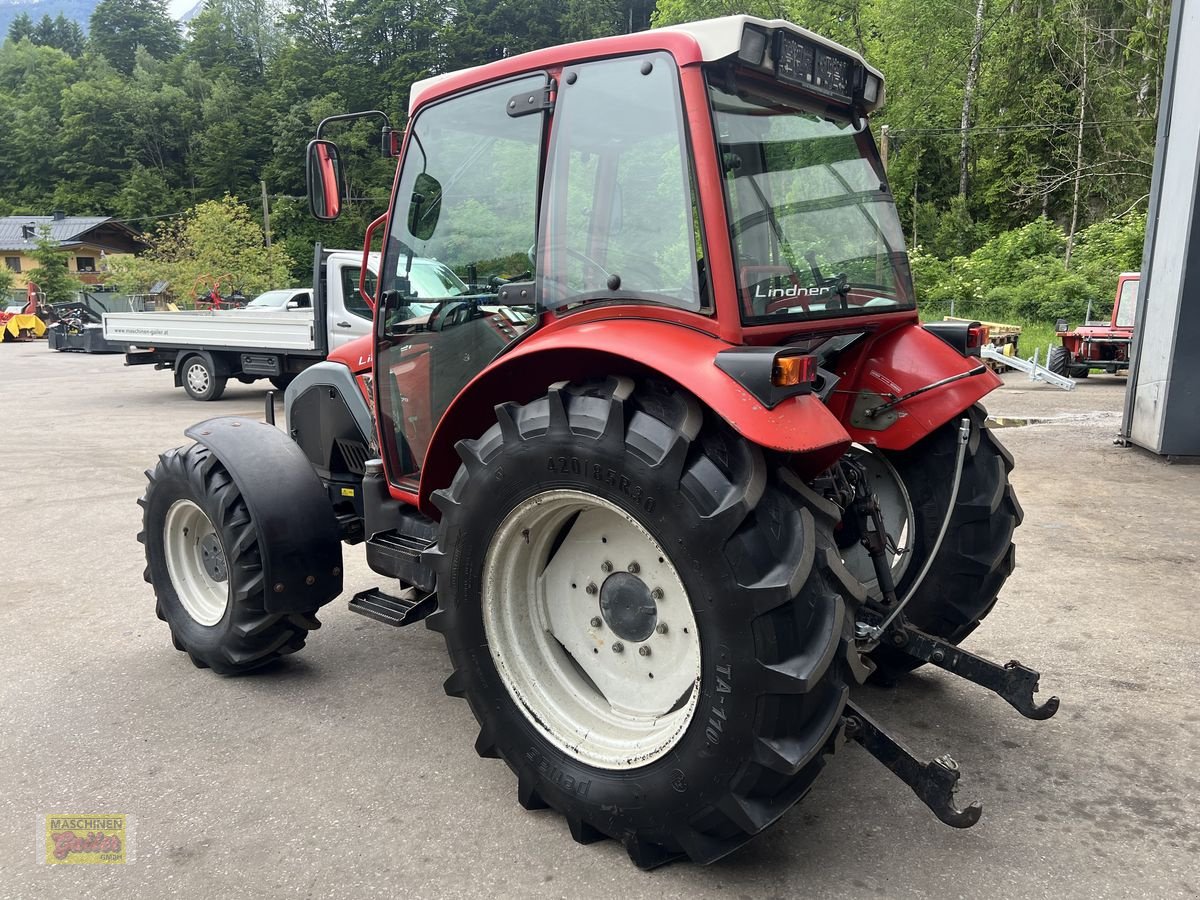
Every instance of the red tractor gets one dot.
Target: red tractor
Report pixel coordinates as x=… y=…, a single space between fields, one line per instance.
x=670 y=493
x=1098 y=345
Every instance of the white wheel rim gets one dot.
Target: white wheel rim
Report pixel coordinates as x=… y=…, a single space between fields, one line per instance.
x=898 y=519
x=197 y=378
x=552 y=638
x=196 y=562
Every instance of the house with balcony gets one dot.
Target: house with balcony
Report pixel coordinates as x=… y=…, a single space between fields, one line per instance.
x=90 y=242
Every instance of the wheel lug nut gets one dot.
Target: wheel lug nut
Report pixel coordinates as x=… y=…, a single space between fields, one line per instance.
x=656 y=594
x=634 y=568
x=596 y=621
x=644 y=650
x=661 y=628
x=618 y=647
x=591 y=588
x=606 y=566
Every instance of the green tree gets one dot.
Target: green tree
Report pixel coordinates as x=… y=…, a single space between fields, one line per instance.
x=214 y=239
x=119 y=27
x=51 y=274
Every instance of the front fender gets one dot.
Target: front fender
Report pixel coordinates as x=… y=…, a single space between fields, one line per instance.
x=298 y=537
x=625 y=346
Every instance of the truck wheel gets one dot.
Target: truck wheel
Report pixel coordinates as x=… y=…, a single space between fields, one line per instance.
x=977 y=554
x=200 y=381
x=647 y=617
x=203 y=561
x=1058 y=360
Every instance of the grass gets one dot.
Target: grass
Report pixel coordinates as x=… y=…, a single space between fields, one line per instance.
x=1036 y=336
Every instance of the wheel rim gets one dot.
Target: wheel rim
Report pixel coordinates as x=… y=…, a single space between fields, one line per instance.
x=898 y=519
x=197 y=378
x=591 y=629
x=196 y=562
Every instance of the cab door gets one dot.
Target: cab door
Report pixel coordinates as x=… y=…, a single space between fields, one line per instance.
x=464 y=216
x=348 y=314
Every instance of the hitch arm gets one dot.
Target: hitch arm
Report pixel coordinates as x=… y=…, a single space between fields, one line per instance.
x=933 y=782
x=1013 y=682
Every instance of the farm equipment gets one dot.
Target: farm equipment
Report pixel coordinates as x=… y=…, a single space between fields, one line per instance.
x=1098 y=345
x=206 y=293
x=21 y=321
x=78 y=326
x=669 y=496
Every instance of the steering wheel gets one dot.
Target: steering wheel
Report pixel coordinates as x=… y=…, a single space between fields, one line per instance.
x=451 y=313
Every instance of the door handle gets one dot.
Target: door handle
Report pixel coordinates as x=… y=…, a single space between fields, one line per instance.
x=343 y=324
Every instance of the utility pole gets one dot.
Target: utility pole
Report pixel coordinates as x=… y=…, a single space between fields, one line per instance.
x=883 y=147
x=266 y=215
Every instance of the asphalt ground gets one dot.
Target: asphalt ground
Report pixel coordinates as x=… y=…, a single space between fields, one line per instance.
x=346 y=772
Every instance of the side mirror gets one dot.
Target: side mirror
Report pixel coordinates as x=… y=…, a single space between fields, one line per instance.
x=326 y=182
x=425 y=208
x=293 y=304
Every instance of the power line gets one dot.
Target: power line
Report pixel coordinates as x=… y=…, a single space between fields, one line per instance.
x=1026 y=126
x=983 y=37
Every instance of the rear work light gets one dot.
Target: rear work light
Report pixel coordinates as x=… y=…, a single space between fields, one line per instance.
x=771 y=374
x=793 y=369
x=977 y=338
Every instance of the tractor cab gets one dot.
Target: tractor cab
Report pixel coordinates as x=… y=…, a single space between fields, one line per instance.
x=719 y=176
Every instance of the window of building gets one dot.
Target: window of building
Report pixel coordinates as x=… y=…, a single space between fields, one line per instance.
x=85 y=264
x=13 y=263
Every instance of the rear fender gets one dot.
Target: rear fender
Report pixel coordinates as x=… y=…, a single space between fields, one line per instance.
x=298 y=536
x=903 y=360
x=800 y=424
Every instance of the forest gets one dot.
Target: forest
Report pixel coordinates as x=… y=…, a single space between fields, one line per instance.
x=1019 y=134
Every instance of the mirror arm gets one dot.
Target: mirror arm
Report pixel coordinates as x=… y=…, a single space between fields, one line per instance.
x=342 y=117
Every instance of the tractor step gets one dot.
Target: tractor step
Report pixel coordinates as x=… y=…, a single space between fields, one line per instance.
x=397 y=554
x=411 y=606
x=934 y=782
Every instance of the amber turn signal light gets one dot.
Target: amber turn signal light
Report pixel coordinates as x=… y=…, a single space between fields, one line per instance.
x=788 y=371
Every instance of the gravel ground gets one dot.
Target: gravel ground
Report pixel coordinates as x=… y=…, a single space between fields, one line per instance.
x=345 y=771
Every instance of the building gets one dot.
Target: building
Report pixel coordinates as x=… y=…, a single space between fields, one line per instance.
x=90 y=241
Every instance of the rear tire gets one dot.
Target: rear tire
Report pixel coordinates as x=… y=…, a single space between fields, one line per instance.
x=200 y=380
x=203 y=561
x=1058 y=360
x=755 y=573
x=977 y=554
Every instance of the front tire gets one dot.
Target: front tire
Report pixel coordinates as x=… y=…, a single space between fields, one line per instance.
x=1058 y=360
x=732 y=555
x=203 y=561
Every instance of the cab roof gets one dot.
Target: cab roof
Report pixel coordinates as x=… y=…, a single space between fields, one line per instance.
x=709 y=40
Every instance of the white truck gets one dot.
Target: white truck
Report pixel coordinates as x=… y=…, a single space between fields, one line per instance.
x=207 y=348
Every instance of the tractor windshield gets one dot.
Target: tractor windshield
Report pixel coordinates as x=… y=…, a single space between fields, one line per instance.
x=815 y=232
x=1127 y=303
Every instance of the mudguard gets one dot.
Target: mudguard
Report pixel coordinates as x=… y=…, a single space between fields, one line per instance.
x=903 y=360
x=628 y=346
x=298 y=535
